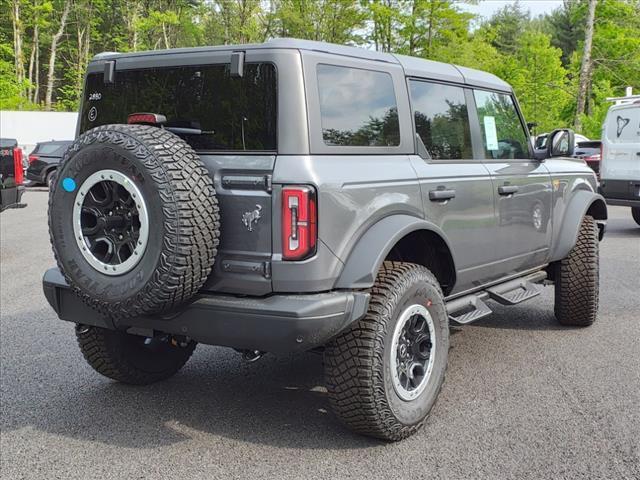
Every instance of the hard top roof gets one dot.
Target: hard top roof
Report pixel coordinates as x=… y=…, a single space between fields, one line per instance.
x=415 y=67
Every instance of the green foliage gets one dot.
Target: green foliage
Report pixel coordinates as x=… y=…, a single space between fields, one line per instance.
x=540 y=57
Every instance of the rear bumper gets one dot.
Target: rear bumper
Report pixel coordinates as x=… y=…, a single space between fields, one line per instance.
x=278 y=323
x=10 y=197
x=624 y=193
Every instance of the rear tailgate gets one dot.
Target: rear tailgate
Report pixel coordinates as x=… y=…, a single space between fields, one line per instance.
x=243 y=186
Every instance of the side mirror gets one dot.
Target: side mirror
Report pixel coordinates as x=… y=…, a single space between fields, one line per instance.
x=561 y=143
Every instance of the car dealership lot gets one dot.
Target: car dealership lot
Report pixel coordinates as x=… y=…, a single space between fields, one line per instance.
x=523 y=397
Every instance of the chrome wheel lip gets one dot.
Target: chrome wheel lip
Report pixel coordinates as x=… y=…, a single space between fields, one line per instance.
x=143 y=216
x=406 y=316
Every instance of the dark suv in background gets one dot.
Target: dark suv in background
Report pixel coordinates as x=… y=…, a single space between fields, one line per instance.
x=44 y=161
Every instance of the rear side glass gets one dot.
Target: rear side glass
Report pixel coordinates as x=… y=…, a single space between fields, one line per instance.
x=358 y=107
x=503 y=135
x=218 y=112
x=442 y=120
x=47 y=148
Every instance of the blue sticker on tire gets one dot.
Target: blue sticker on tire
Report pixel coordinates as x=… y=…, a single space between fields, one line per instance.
x=69 y=184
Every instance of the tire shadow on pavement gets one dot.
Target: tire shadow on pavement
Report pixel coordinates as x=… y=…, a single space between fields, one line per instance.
x=276 y=401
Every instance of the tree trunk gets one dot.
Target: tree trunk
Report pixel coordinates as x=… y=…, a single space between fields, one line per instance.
x=17 y=41
x=36 y=74
x=52 y=58
x=585 y=67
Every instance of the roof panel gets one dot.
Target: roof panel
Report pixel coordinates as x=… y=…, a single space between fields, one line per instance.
x=419 y=67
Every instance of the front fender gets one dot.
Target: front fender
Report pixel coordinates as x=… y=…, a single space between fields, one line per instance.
x=372 y=248
x=583 y=202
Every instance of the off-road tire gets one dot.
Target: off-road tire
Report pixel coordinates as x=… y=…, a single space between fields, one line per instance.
x=577 y=279
x=50 y=178
x=127 y=359
x=635 y=213
x=184 y=221
x=357 y=370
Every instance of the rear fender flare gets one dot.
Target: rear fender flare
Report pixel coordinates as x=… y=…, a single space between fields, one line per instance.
x=366 y=257
x=583 y=202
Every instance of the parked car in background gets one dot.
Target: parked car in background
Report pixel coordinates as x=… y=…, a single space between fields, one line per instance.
x=44 y=160
x=11 y=174
x=591 y=152
x=620 y=166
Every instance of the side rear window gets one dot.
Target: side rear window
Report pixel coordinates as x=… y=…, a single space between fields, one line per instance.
x=357 y=107
x=215 y=110
x=441 y=119
x=503 y=135
x=45 y=148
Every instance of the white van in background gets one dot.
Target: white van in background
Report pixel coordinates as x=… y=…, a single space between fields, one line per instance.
x=620 y=167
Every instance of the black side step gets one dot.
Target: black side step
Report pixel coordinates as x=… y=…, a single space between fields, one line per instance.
x=513 y=292
x=470 y=308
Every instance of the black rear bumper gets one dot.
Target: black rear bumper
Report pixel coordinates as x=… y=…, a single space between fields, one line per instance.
x=10 y=197
x=277 y=323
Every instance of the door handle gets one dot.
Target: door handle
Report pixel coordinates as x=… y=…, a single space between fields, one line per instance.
x=507 y=189
x=441 y=194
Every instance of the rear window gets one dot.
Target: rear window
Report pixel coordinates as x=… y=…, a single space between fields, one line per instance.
x=442 y=121
x=47 y=148
x=357 y=107
x=226 y=113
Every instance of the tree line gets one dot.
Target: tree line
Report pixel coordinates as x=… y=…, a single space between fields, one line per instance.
x=562 y=64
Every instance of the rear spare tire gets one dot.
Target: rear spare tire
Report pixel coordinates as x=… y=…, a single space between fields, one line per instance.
x=133 y=220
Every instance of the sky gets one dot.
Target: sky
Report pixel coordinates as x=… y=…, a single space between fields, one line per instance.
x=485 y=8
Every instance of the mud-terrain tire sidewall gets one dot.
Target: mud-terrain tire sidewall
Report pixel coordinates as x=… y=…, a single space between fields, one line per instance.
x=183 y=219
x=79 y=167
x=414 y=291
x=577 y=279
x=358 y=361
x=635 y=213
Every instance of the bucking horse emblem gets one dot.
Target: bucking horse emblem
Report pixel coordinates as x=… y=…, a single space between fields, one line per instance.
x=249 y=218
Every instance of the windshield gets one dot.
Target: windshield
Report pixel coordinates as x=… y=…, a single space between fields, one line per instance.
x=215 y=111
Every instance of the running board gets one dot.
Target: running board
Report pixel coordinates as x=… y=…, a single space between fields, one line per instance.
x=468 y=309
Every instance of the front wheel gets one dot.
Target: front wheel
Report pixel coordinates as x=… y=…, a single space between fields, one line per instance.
x=132 y=359
x=577 y=279
x=384 y=373
x=635 y=213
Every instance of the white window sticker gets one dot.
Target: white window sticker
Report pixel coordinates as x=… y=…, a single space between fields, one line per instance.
x=490 y=134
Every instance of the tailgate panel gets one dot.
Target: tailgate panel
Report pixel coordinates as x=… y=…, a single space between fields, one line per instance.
x=243 y=187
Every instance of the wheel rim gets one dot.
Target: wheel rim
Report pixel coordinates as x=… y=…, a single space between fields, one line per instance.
x=110 y=222
x=412 y=352
x=537 y=217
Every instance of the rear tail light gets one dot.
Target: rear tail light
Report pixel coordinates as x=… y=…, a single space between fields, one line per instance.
x=32 y=158
x=18 y=172
x=299 y=222
x=146 y=119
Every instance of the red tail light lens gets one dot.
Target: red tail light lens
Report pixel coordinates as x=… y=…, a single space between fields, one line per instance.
x=146 y=119
x=18 y=172
x=32 y=158
x=299 y=222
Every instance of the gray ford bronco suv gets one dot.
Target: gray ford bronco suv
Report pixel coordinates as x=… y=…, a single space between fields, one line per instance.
x=294 y=196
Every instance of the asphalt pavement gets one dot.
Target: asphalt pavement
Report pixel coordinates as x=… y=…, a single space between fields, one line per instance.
x=524 y=397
